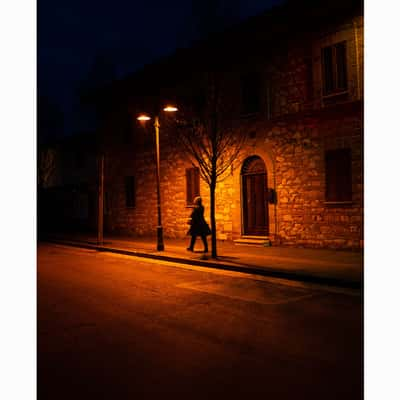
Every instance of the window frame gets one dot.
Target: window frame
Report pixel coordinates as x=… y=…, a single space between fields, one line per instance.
x=336 y=89
x=192 y=176
x=338 y=176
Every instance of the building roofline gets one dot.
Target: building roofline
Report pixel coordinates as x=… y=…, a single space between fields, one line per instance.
x=283 y=20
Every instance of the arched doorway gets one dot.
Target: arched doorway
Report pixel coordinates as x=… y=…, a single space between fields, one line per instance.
x=254 y=197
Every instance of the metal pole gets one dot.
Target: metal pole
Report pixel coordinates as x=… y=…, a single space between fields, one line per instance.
x=160 y=240
x=100 y=201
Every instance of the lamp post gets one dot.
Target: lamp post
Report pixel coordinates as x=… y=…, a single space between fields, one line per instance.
x=143 y=118
x=100 y=199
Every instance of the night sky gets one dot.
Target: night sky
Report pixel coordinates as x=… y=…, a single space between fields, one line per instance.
x=88 y=42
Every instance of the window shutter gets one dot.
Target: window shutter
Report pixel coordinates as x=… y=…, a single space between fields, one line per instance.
x=189 y=187
x=196 y=182
x=338 y=175
x=192 y=184
x=327 y=70
x=341 y=66
x=330 y=176
x=334 y=68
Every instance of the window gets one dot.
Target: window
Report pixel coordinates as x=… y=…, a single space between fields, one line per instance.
x=334 y=69
x=130 y=191
x=192 y=184
x=338 y=175
x=251 y=100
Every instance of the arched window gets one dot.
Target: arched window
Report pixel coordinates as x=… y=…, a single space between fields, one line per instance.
x=253 y=165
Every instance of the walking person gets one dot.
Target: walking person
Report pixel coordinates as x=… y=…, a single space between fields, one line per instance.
x=198 y=225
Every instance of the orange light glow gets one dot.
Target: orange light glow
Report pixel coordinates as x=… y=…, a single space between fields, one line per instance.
x=143 y=117
x=170 y=109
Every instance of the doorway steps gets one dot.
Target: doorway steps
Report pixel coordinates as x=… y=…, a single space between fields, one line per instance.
x=264 y=241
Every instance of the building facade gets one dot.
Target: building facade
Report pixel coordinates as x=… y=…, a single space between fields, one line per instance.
x=67 y=187
x=294 y=78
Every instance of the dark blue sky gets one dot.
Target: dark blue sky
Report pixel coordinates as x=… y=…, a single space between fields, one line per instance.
x=121 y=35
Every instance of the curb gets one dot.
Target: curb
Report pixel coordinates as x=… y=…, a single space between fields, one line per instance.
x=248 y=269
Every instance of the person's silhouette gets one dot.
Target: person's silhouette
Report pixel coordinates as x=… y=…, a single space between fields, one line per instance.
x=198 y=225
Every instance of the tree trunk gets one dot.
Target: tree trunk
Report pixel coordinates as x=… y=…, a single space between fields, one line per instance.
x=212 y=218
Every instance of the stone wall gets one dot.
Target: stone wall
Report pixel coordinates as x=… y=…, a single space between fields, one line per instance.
x=304 y=218
x=291 y=140
x=293 y=152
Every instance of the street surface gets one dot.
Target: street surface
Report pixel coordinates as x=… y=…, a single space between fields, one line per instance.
x=120 y=327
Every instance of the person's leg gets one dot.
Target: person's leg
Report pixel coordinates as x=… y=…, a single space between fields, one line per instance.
x=204 y=239
x=192 y=242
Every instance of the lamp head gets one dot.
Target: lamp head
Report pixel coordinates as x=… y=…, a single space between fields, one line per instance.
x=143 y=117
x=170 y=108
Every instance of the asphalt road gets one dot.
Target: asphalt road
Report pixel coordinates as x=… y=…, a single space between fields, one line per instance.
x=119 y=327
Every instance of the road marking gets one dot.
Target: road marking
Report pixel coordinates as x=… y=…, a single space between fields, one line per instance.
x=270 y=294
x=253 y=277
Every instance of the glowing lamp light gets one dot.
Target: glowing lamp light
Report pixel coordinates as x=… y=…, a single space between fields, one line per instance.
x=170 y=109
x=143 y=117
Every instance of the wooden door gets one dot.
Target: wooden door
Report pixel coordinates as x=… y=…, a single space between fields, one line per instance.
x=255 y=207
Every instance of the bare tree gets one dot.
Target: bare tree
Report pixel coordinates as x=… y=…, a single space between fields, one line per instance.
x=212 y=142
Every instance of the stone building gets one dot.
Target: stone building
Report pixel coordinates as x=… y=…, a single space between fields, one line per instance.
x=294 y=80
x=67 y=199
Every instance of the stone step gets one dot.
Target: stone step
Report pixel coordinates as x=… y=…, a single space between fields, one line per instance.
x=254 y=241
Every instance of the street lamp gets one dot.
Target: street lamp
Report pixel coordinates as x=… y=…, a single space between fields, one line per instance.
x=143 y=118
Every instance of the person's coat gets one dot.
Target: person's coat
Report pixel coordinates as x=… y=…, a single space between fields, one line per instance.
x=198 y=225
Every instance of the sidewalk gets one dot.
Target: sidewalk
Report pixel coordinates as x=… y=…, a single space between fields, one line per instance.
x=323 y=266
